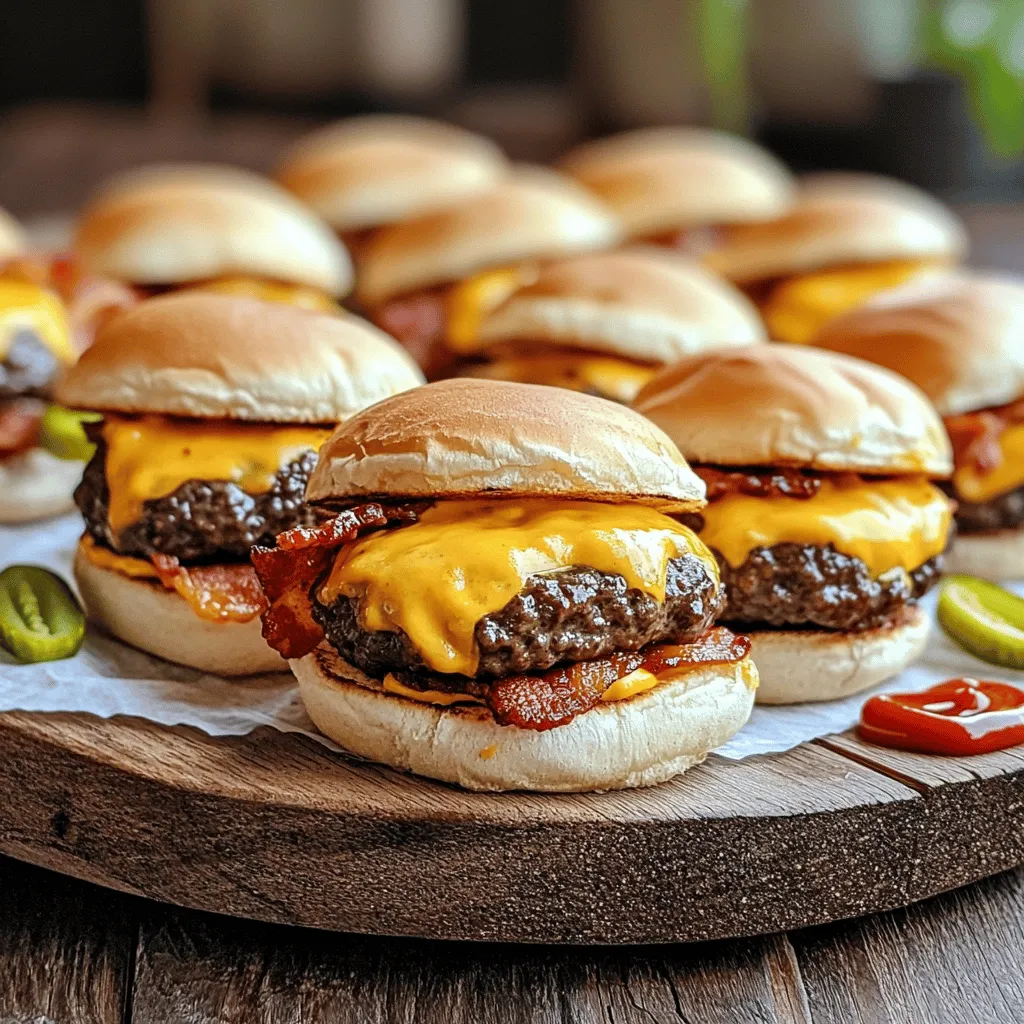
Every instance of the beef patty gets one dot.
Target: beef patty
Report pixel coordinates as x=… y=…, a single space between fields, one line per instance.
x=1004 y=512
x=29 y=368
x=202 y=520
x=575 y=614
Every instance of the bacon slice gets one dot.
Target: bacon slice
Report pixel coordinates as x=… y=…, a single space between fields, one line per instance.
x=774 y=483
x=19 y=425
x=219 y=593
x=419 y=322
x=976 y=435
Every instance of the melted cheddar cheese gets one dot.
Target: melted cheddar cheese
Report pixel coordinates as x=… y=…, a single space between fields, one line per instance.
x=436 y=578
x=28 y=307
x=470 y=301
x=886 y=523
x=151 y=456
x=272 y=291
x=799 y=307
x=441 y=697
x=617 y=379
x=1007 y=476
x=104 y=558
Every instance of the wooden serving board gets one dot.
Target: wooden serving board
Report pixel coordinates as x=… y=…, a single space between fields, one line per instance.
x=272 y=826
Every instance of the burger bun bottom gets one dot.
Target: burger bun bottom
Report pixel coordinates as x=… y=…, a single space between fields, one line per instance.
x=36 y=485
x=797 y=666
x=155 y=620
x=998 y=555
x=640 y=741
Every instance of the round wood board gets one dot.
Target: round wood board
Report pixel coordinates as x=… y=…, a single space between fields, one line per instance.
x=274 y=827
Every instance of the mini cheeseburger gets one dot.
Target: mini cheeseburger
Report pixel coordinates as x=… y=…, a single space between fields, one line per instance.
x=213 y=408
x=676 y=186
x=365 y=172
x=820 y=510
x=429 y=281
x=501 y=599
x=220 y=229
x=847 y=237
x=961 y=340
x=604 y=322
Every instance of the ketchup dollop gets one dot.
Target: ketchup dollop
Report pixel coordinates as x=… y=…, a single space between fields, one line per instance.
x=957 y=717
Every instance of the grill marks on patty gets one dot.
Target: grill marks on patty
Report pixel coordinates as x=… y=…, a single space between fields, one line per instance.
x=201 y=521
x=575 y=614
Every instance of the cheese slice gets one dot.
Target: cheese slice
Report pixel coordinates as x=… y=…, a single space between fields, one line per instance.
x=272 y=291
x=884 y=523
x=610 y=377
x=636 y=682
x=800 y=306
x=436 y=578
x=441 y=697
x=151 y=456
x=470 y=301
x=104 y=558
x=28 y=307
x=1007 y=476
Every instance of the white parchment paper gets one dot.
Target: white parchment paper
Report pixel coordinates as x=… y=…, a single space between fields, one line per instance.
x=106 y=678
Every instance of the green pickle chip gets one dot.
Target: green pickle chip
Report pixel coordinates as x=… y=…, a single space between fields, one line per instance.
x=61 y=433
x=40 y=618
x=986 y=620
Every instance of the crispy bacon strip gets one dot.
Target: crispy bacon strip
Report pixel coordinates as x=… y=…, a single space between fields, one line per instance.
x=774 y=483
x=546 y=701
x=419 y=322
x=976 y=435
x=219 y=593
x=19 y=425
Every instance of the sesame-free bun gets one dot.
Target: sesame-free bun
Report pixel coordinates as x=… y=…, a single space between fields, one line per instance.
x=640 y=741
x=532 y=214
x=146 y=615
x=36 y=485
x=797 y=666
x=993 y=555
x=378 y=169
x=789 y=405
x=471 y=438
x=178 y=223
x=12 y=237
x=645 y=304
x=225 y=357
x=668 y=179
x=841 y=219
x=958 y=337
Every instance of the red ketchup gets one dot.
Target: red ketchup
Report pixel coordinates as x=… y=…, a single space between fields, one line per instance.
x=957 y=717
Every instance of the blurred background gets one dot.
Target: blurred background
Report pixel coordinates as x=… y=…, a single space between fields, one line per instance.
x=929 y=90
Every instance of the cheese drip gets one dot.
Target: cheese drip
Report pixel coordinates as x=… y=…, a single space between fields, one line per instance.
x=272 y=291
x=607 y=376
x=886 y=523
x=470 y=302
x=799 y=307
x=435 y=579
x=27 y=307
x=152 y=456
x=1007 y=476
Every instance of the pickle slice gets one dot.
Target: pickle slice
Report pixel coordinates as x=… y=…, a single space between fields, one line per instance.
x=986 y=620
x=61 y=433
x=40 y=619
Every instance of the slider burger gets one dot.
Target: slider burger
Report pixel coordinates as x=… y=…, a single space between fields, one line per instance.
x=820 y=511
x=220 y=229
x=677 y=186
x=847 y=237
x=213 y=407
x=501 y=599
x=959 y=339
x=428 y=282
x=365 y=172
x=604 y=322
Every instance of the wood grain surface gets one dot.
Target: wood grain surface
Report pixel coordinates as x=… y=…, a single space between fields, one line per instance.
x=276 y=828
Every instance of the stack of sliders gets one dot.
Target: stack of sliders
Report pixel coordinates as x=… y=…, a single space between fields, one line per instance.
x=366 y=172
x=961 y=340
x=604 y=322
x=676 y=187
x=820 y=510
x=222 y=229
x=213 y=409
x=429 y=281
x=847 y=237
x=502 y=599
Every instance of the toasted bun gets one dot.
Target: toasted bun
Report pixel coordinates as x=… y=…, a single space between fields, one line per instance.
x=220 y=356
x=619 y=745
x=959 y=337
x=374 y=170
x=643 y=304
x=178 y=223
x=769 y=405
x=468 y=438
x=12 y=237
x=35 y=485
x=800 y=666
x=667 y=179
x=998 y=555
x=147 y=616
x=533 y=214
x=839 y=219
